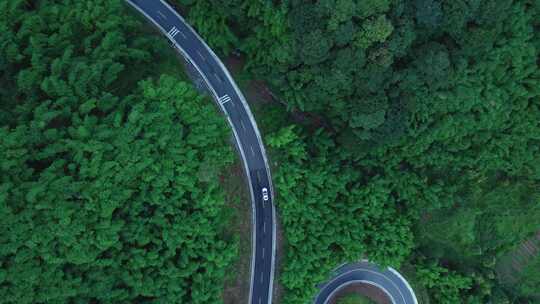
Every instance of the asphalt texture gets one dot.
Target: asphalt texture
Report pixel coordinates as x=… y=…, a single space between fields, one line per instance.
x=388 y=280
x=177 y=30
x=223 y=89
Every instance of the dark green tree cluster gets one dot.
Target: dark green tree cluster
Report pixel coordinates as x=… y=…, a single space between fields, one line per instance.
x=333 y=57
x=529 y=281
x=445 y=286
x=425 y=148
x=431 y=109
x=108 y=189
x=329 y=217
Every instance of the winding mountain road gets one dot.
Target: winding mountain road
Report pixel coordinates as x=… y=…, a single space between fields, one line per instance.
x=233 y=104
x=250 y=146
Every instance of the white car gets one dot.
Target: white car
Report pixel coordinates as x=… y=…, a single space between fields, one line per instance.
x=265 y=194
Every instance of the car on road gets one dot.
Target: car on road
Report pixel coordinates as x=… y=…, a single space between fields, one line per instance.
x=265 y=194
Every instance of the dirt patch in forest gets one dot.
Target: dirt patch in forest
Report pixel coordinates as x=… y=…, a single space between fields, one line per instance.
x=253 y=90
x=278 y=290
x=257 y=95
x=366 y=290
x=236 y=289
x=510 y=265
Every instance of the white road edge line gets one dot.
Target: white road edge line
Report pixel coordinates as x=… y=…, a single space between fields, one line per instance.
x=411 y=291
x=359 y=281
x=366 y=270
x=268 y=174
x=258 y=135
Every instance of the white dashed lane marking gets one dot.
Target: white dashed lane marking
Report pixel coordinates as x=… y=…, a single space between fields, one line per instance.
x=201 y=55
x=162 y=15
x=218 y=78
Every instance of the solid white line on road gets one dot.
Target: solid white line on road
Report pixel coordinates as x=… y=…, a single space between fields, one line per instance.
x=173 y=32
x=369 y=271
x=224 y=99
x=411 y=291
x=340 y=287
x=243 y=104
x=252 y=151
x=162 y=15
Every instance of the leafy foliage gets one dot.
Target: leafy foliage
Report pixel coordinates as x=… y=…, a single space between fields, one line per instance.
x=321 y=205
x=445 y=285
x=354 y=299
x=433 y=107
x=425 y=147
x=108 y=189
x=529 y=284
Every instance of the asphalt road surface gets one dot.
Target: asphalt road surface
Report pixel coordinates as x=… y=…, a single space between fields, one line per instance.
x=388 y=280
x=247 y=137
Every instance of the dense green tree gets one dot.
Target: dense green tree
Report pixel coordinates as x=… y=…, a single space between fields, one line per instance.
x=115 y=199
x=419 y=138
x=529 y=283
x=435 y=103
x=108 y=189
x=327 y=216
x=445 y=285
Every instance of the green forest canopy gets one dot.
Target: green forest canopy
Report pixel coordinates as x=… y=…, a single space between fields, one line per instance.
x=108 y=184
x=424 y=151
x=426 y=141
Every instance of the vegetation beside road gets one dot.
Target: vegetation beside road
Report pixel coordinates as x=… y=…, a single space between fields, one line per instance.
x=424 y=142
x=109 y=188
x=354 y=299
x=419 y=144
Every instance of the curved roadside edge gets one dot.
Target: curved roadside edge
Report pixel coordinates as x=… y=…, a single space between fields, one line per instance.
x=237 y=139
x=409 y=288
x=366 y=266
x=340 y=287
x=263 y=151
